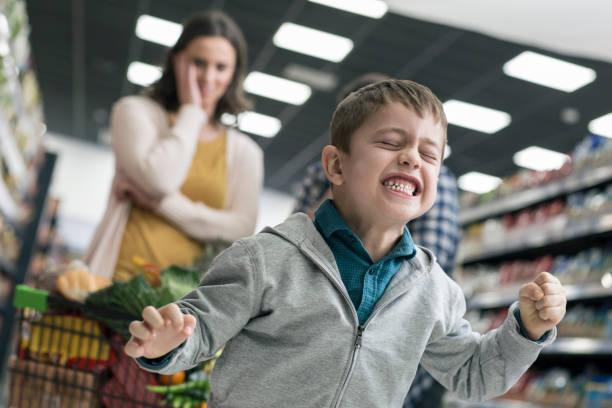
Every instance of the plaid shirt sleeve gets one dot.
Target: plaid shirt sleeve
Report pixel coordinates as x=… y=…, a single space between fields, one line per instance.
x=312 y=188
x=421 y=383
x=439 y=230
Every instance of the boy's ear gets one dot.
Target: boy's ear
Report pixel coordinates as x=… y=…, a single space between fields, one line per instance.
x=332 y=165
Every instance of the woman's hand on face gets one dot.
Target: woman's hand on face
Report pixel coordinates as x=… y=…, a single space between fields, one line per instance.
x=186 y=80
x=126 y=190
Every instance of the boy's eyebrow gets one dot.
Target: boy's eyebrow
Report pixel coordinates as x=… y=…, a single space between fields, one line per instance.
x=392 y=129
x=428 y=140
x=431 y=141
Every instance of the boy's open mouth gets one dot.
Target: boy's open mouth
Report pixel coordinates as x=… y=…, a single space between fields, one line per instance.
x=404 y=185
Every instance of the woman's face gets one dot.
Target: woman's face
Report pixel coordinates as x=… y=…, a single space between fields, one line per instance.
x=215 y=61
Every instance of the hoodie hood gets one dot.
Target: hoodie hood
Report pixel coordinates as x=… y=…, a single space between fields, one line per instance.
x=299 y=230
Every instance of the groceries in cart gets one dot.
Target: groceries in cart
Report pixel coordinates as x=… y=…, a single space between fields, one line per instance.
x=70 y=348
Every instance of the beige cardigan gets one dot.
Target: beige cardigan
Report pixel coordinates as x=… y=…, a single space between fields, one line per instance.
x=157 y=157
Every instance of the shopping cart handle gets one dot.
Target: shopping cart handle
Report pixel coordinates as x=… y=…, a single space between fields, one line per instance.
x=26 y=296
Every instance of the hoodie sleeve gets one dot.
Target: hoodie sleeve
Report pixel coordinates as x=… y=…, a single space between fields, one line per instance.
x=479 y=367
x=226 y=299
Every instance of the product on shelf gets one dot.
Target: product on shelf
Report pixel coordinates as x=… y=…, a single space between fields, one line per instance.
x=592 y=152
x=9 y=243
x=591 y=267
x=25 y=173
x=580 y=214
x=587 y=321
x=561 y=222
x=580 y=321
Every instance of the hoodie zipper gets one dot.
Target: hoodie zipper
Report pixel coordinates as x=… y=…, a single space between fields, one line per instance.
x=358 y=335
x=356 y=347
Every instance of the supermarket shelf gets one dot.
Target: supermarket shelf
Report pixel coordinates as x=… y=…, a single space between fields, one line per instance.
x=579 y=346
x=574 y=182
x=27 y=248
x=579 y=233
x=8 y=207
x=4 y=306
x=7 y=268
x=12 y=156
x=498 y=403
x=30 y=231
x=503 y=298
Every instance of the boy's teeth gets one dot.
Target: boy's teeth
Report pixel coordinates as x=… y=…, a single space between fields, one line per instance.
x=406 y=188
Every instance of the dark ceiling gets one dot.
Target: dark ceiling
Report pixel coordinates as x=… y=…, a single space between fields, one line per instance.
x=81 y=51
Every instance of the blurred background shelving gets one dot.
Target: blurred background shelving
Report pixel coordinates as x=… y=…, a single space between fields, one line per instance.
x=25 y=168
x=562 y=226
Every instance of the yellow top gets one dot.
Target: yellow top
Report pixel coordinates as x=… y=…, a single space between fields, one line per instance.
x=149 y=236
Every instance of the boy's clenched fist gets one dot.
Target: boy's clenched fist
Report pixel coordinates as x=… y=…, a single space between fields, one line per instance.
x=542 y=305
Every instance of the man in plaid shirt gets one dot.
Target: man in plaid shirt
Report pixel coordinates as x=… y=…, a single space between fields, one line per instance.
x=438 y=229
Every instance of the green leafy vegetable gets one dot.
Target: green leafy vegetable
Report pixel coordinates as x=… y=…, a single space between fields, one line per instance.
x=117 y=305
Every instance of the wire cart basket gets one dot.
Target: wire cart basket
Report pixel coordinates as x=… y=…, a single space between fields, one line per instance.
x=66 y=359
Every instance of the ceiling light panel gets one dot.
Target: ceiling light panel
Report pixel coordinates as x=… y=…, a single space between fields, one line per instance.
x=143 y=74
x=228 y=119
x=478 y=183
x=475 y=117
x=368 y=8
x=547 y=71
x=320 y=80
x=447 y=151
x=602 y=125
x=157 y=30
x=258 y=124
x=315 y=43
x=277 y=88
x=539 y=159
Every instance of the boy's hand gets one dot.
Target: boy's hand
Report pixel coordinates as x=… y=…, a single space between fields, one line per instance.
x=162 y=330
x=542 y=305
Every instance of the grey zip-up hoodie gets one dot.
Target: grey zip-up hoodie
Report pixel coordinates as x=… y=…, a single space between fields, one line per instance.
x=292 y=338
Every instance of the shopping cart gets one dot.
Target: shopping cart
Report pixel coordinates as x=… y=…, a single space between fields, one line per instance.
x=65 y=359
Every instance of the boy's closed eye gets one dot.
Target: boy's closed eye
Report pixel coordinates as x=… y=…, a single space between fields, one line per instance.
x=390 y=143
x=431 y=155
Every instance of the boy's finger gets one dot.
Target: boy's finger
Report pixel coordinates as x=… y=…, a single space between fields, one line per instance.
x=140 y=330
x=545 y=277
x=153 y=317
x=551 y=288
x=172 y=313
x=134 y=348
x=189 y=324
x=550 y=301
x=531 y=291
x=554 y=314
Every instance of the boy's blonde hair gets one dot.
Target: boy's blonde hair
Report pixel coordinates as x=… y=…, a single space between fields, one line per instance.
x=357 y=107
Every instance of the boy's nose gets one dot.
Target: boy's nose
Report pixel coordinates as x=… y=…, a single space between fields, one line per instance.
x=409 y=158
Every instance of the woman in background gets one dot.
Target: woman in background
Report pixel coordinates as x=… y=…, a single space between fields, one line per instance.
x=182 y=178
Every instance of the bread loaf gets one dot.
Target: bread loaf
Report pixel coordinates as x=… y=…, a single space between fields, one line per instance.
x=76 y=284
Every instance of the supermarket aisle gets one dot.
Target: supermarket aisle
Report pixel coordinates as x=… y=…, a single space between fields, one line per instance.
x=558 y=220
